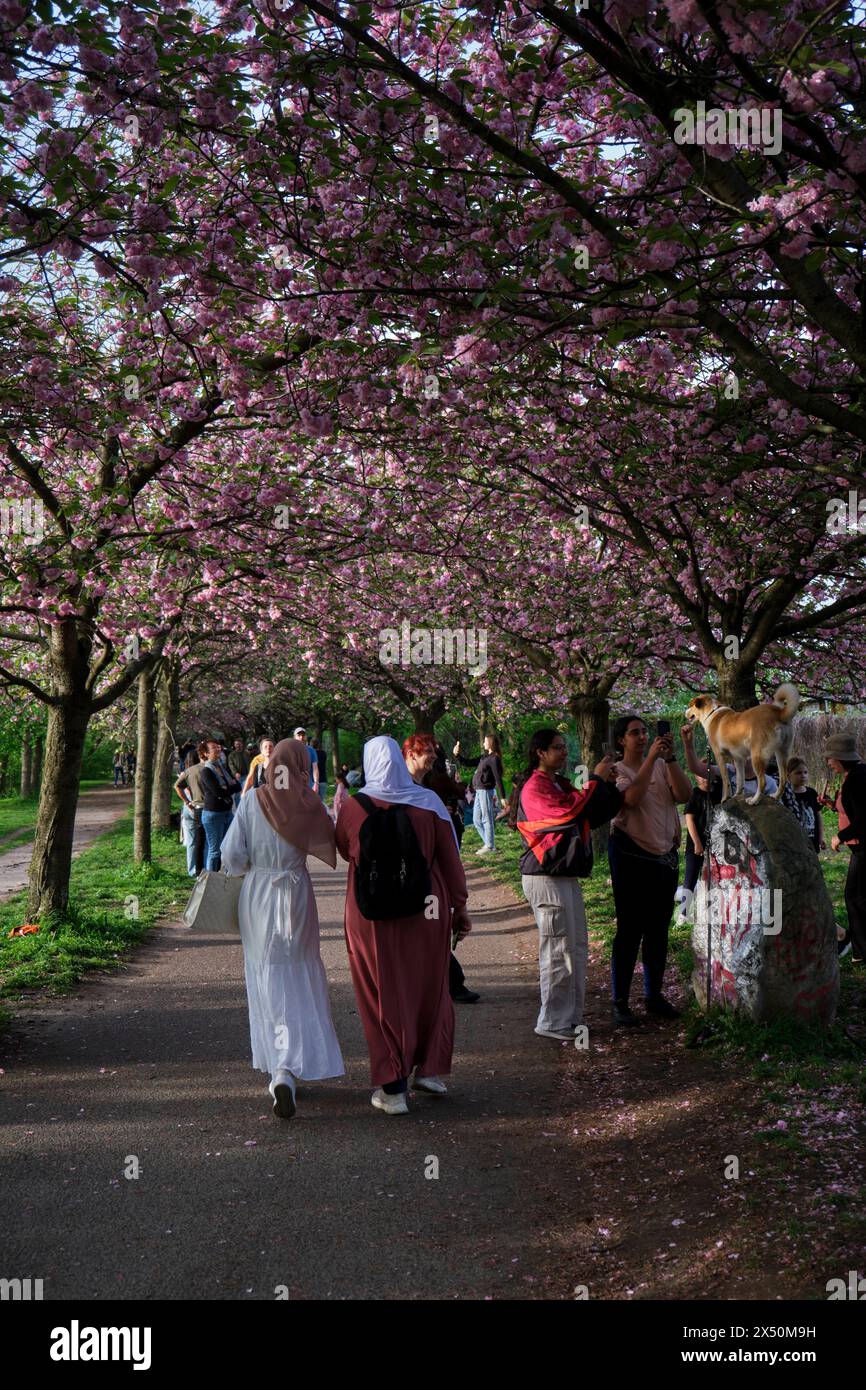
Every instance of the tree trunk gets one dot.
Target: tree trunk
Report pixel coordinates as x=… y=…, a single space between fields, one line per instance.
x=591 y=715
x=736 y=685
x=51 y=861
x=168 y=713
x=483 y=722
x=143 y=769
x=2 y=776
x=36 y=772
x=425 y=716
x=320 y=730
x=26 y=768
x=335 y=748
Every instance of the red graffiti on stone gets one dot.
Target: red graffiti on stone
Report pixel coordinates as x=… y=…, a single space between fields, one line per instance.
x=818 y=1001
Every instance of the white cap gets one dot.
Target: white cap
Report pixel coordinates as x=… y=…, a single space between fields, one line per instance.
x=300 y=730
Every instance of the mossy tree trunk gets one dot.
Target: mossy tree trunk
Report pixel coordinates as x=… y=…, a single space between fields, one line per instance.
x=141 y=850
x=167 y=715
x=26 y=786
x=38 y=755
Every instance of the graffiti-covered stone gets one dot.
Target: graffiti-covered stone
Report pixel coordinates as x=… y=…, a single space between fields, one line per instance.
x=766 y=916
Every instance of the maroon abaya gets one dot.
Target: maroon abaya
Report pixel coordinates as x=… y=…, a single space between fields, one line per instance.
x=400 y=967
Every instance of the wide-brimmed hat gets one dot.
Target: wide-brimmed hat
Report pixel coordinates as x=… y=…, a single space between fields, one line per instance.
x=843 y=747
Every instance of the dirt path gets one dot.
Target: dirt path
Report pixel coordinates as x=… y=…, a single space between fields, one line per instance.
x=558 y=1170
x=97 y=812
x=647 y=1130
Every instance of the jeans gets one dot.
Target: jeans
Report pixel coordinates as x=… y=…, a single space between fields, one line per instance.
x=119 y=775
x=216 y=824
x=643 y=895
x=193 y=838
x=563 y=948
x=694 y=869
x=482 y=816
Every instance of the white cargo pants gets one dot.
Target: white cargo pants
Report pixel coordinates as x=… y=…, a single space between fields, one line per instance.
x=563 y=948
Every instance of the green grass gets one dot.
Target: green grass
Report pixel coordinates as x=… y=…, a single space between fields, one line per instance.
x=106 y=890
x=13 y=840
x=785 y=1050
x=18 y=814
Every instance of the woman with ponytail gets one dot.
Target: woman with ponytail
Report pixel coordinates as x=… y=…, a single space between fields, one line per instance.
x=555 y=820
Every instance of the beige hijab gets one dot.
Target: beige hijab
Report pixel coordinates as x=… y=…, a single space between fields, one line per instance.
x=291 y=806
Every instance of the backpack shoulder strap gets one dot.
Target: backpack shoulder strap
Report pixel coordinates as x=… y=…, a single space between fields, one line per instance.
x=365 y=802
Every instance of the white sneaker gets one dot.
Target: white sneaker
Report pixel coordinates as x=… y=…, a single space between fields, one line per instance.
x=282 y=1088
x=392 y=1105
x=485 y=849
x=431 y=1084
x=564 y=1034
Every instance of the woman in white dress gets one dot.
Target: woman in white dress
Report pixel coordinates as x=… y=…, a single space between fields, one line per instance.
x=273 y=831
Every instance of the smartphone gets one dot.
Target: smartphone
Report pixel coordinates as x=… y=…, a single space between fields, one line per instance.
x=663 y=727
x=609 y=751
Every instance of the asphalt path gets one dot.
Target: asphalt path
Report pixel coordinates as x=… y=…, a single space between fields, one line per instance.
x=147 y=1070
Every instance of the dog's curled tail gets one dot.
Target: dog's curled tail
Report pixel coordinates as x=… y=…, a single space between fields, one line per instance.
x=788 y=697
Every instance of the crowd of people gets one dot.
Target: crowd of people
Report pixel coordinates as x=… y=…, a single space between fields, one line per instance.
x=638 y=788
x=399 y=821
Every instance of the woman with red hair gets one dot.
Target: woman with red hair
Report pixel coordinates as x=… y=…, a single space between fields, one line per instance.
x=425 y=759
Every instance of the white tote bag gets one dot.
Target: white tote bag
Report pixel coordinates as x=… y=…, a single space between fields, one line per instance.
x=213 y=904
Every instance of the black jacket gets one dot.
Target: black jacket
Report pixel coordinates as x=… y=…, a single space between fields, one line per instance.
x=217 y=796
x=488 y=773
x=854 y=805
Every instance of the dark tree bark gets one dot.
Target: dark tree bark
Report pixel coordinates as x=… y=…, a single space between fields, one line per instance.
x=143 y=769
x=51 y=861
x=335 y=747
x=737 y=686
x=426 y=716
x=38 y=755
x=26 y=787
x=483 y=722
x=591 y=714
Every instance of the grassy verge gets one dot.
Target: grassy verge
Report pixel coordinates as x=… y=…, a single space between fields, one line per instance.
x=113 y=903
x=18 y=815
x=14 y=840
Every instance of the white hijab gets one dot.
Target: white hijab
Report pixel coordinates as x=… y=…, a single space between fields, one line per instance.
x=387 y=779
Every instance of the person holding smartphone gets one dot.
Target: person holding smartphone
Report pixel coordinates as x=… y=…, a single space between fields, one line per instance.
x=644 y=862
x=556 y=820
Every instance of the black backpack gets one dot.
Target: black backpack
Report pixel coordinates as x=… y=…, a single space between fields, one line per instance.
x=392 y=878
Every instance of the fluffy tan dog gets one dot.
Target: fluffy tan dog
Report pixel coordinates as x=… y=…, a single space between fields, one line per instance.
x=759 y=733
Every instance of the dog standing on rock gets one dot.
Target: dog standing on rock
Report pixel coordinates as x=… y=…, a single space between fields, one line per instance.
x=761 y=733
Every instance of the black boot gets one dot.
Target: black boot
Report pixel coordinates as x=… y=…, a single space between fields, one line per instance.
x=657 y=1004
x=465 y=996
x=623 y=1016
